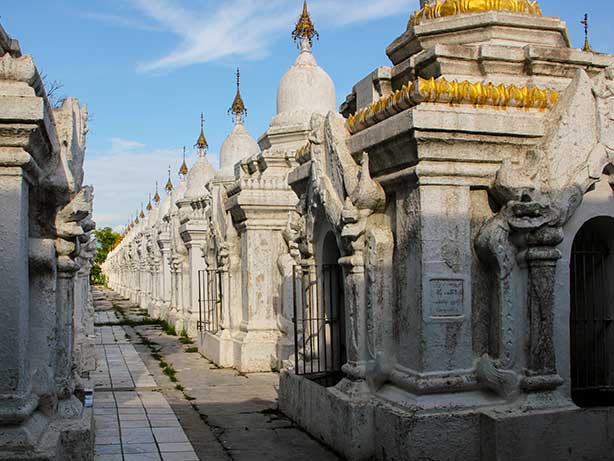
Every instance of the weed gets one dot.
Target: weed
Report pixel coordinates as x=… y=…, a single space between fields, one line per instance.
x=184 y=338
x=189 y=398
x=192 y=350
x=179 y=387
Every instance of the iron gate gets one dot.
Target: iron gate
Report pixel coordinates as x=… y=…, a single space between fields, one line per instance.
x=592 y=340
x=319 y=323
x=209 y=300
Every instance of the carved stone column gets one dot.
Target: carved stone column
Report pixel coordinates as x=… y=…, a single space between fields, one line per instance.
x=542 y=257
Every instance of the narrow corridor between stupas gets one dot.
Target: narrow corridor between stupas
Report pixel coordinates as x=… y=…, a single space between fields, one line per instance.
x=204 y=412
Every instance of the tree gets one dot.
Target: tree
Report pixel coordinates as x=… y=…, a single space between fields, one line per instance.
x=106 y=241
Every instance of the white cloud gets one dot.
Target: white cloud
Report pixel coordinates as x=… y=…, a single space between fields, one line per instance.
x=247 y=28
x=125 y=174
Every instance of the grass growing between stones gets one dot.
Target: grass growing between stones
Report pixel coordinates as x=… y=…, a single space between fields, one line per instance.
x=184 y=338
x=168 y=370
x=191 y=350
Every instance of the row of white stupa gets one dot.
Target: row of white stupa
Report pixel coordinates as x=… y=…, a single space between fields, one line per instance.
x=304 y=90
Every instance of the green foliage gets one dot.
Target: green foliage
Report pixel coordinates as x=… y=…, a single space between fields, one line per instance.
x=106 y=240
x=168 y=328
x=192 y=350
x=184 y=338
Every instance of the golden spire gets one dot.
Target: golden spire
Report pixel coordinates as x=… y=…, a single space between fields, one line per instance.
x=201 y=144
x=136 y=220
x=169 y=183
x=305 y=30
x=238 y=109
x=183 y=170
x=142 y=214
x=149 y=207
x=587 y=45
x=157 y=196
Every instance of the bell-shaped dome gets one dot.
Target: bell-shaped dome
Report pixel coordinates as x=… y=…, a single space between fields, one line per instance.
x=199 y=176
x=165 y=206
x=153 y=216
x=178 y=193
x=238 y=145
x=304 y=90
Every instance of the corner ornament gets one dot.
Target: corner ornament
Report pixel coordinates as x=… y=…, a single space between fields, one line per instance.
x=445 y=8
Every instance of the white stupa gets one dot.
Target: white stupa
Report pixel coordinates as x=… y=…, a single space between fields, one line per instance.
x=239 y=144
x=202 y=171
x=306 y=88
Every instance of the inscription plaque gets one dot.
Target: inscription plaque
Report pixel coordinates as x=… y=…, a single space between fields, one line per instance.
x=447 y=297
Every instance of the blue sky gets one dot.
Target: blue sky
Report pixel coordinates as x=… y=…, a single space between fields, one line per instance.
x=147 y=68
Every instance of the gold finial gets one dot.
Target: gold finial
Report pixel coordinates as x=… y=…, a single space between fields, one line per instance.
x=587 y=45
x=201 y=144
x=142 y=214
x=169 y=183
x=149 y=207
x=157 y=196
x=305 y=30
x=238 y=109
x=136 y=220
x=183 y=170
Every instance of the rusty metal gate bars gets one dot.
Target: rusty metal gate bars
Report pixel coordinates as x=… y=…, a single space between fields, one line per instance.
x=209 y=300
x=319 y=327
x=592 y=339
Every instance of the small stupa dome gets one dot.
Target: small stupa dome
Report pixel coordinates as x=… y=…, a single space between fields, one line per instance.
x=306 y=88
x=239 y=144
x=199 y=176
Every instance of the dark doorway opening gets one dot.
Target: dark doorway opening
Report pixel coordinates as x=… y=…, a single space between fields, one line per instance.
x=319 y=317
x=592 y=314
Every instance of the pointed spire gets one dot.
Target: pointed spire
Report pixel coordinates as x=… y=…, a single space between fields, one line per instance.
x=142 y=214
x=136 y=220
x=305 y=31
x=157 y=196
x=201 y=144
x=238 y=109
x=587 y=45
x=149 y=207
x=183 y=170
x=169 y=183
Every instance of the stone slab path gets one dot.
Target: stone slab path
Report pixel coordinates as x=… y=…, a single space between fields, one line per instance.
x=133 y=419
x=222 y=414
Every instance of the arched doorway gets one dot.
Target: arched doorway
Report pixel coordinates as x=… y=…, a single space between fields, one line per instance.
x=333 y=304
x=592 y=313
x=319 y=316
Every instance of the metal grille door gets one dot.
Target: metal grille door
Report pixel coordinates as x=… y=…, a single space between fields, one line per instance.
x=209 y=300
x=592 y=335
x=319 y=323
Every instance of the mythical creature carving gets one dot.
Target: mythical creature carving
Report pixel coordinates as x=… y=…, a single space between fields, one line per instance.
x=537 y=199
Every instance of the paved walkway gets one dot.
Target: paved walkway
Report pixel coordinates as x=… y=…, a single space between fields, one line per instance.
x=134 y=421
x=220 y=414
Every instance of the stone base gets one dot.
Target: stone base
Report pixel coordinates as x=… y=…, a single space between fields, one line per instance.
x=253 y=352
x=361 y=426
x=43 y=440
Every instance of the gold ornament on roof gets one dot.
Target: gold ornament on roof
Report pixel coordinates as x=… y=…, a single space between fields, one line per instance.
x=238 y=109
x=169 y=183
x=183 y=169
x=587 y=45
x=442 y=91
x=156 y=197
x=443 y=8
x=304 y=29
x=149 y=207
x=201 y=143
x=142 y=214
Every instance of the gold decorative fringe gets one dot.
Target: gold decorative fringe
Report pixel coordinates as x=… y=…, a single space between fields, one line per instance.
x=442 y=91
x=443 y=8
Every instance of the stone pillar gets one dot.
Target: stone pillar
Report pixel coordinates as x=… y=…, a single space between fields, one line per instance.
x=542 y=258
x=16 y=400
